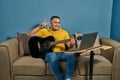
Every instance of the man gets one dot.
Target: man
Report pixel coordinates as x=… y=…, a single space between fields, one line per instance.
x=58 y=51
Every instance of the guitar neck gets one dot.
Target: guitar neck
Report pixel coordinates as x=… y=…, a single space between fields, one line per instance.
x=58 y=42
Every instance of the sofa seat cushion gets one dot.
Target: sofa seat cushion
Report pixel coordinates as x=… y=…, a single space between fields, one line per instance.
x=28 y=65
x=101 y=66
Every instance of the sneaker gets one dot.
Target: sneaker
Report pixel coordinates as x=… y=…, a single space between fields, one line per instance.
x=68 y=79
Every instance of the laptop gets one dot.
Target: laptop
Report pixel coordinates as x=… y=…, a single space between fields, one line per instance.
x=87 y=41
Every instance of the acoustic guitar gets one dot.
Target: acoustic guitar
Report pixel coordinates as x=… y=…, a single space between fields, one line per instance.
x=40 y=46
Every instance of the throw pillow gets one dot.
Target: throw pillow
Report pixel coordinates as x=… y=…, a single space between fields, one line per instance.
x=23 y=44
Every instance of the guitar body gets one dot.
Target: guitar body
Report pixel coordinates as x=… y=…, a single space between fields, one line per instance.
x=40 y=46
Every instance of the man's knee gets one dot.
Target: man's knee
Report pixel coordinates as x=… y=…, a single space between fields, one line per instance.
x=51 y=57
x=72 y=57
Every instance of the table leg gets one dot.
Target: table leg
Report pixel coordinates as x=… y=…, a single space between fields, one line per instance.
x=91 y=65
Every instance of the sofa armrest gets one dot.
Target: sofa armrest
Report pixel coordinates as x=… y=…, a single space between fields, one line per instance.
x=12 y=47
x=110 y=52
x=116 y=65
x=114 y=54
x=8 y=53
x=110 y=42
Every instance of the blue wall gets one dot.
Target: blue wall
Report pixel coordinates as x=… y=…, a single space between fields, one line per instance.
x=77 y=15
x=115 y=25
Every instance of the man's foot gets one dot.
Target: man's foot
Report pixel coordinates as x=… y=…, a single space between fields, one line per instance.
x=68 y=79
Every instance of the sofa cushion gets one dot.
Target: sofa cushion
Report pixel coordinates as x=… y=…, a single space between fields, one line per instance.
x=28 y=65
x=101 y=65
x=23 y=44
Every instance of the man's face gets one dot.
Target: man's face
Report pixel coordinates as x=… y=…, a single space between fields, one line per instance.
x=55 y=24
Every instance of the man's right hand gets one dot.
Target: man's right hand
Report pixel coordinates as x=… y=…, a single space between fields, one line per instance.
x=43 y=24
x=35 y=30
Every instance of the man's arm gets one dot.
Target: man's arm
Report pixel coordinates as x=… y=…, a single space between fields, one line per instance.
x=34 y=31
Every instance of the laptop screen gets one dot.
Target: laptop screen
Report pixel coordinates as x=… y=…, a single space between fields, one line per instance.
x=88 y=40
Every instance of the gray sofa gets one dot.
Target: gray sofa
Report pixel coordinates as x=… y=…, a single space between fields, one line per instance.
x=106 y=65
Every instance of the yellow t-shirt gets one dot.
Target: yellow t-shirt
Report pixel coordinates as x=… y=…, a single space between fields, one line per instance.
x=58 y=35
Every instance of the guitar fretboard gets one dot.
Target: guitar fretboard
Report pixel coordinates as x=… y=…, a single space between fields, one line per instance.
x=61 y=41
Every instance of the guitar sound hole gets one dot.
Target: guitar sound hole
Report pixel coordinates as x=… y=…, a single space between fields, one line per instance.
x=47 y=44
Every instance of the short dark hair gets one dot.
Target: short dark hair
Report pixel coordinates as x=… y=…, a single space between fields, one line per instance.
x=54 y=17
